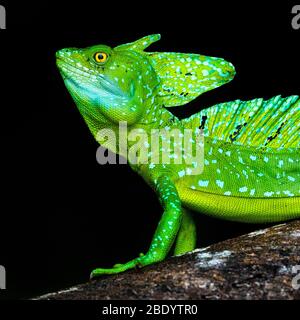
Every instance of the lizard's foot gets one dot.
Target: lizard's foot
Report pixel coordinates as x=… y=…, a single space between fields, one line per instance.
x=140 y=262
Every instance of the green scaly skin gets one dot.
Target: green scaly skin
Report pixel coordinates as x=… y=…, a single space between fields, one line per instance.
x=251 y=156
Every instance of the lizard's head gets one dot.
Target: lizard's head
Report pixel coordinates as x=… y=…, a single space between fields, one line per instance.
x=107 y=83
x=121 y=83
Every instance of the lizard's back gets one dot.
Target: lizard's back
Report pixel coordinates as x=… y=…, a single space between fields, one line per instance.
x=252 y=164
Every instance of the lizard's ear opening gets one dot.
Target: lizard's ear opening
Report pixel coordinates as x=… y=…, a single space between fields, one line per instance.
x=141 y=44
x=183 y=77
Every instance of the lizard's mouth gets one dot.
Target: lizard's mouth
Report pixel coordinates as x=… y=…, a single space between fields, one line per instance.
x=69 y=70
x=82 y=76
x=60 y=65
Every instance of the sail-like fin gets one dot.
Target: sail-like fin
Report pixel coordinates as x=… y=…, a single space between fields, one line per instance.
x=274 y=123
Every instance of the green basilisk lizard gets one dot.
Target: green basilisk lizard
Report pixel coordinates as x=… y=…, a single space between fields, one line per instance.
x=249 y=170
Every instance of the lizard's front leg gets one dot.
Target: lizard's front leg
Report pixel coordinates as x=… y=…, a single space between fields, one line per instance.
x=165 y=233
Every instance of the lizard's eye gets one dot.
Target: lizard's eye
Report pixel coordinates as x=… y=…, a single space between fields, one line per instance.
x=101 y=57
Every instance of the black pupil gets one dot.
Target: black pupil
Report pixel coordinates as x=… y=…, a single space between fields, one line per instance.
x=100 y=56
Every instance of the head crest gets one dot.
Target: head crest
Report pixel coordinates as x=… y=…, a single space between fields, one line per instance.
x=141 y=44
x=183 y=77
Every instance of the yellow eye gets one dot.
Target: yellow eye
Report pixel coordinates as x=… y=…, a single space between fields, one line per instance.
x=101 y=57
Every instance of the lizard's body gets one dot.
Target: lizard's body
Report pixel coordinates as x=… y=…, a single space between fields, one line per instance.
x=251 y=166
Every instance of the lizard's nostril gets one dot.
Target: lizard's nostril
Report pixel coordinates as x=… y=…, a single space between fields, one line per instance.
x=67 y=53
x=60 y=53
x=63 y=53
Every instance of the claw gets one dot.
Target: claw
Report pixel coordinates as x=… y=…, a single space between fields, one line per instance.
x=102 y=272
x=92 y=276
x=118 y=268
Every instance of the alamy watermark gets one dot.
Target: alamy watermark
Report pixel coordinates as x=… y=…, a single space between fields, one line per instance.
x=159 y=146
x=296 y=17
x=2 y=17
x=2 y=278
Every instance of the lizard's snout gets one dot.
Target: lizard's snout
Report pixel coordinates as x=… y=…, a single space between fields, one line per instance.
x=64 y=53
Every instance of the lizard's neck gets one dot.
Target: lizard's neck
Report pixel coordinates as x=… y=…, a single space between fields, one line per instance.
x=155 y=117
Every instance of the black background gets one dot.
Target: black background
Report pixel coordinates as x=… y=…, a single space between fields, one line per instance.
x=62 y=214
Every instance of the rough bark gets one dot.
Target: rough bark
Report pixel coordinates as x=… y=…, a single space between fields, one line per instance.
x=259 y=265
